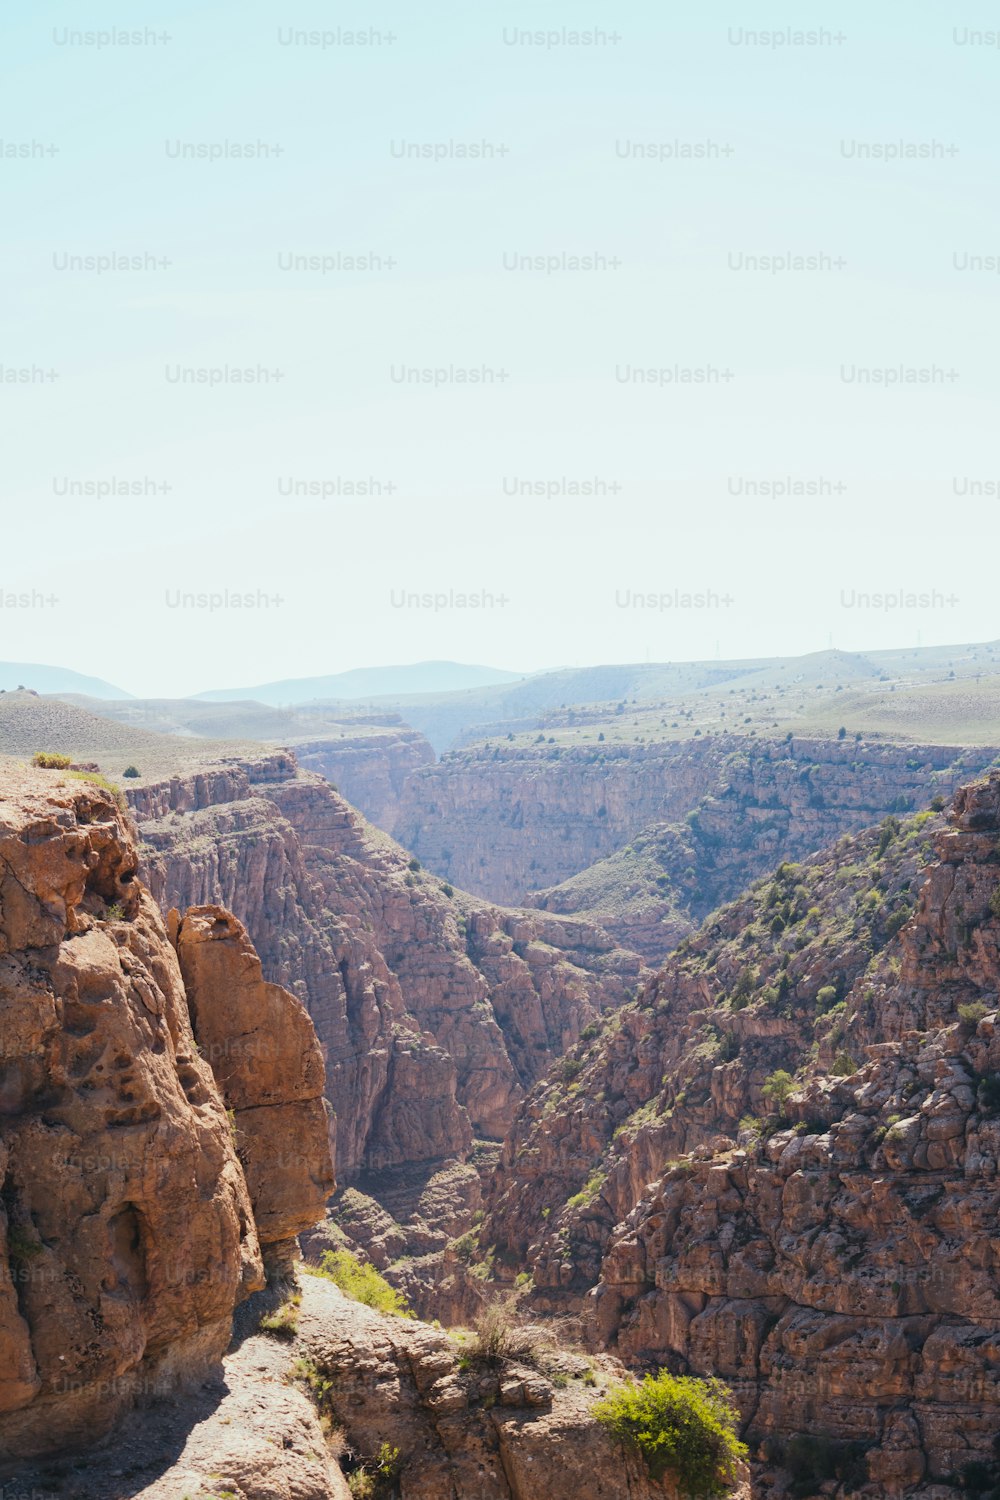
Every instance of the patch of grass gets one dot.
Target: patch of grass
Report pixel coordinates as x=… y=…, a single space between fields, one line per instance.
x=375 y=1478
x=284 y=1322
x=500 y=1339
x=96 y=779
x=589 y=1191
x=49 y=760
x=362 y=1283
x=682 y=1426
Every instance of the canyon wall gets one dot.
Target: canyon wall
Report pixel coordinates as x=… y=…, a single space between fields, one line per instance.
x=782 y=1167
x=370 y=770
x=435 y=1010
x=127 y=1230
x=505 y=820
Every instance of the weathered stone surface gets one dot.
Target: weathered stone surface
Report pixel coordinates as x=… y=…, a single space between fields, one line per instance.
x=434 y=1010
x=839 y=1266
x=461 y=1431
x=126 y=1234
x=370 y=770
x=513 y=822
x=262 y=1048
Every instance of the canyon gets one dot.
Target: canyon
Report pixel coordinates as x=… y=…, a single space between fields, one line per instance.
x=435 y=1010
x=164 y=1139
x=523 y=822
x=781 y=1164
x=718 y=1100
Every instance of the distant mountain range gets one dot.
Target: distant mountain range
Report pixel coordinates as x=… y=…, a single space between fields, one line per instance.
x=29 y=674
x=368 y=682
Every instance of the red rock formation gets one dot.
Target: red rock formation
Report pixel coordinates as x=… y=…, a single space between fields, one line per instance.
x=262 y=1048
x=838 y=1267
x=435 y=1010
x=126 y=1234
x=506 y=820
x=370 y=770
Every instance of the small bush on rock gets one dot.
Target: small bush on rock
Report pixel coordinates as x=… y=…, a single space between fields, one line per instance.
x=362 y=1283
x=48 y=760
x=501 y=1339
x=682 y=1426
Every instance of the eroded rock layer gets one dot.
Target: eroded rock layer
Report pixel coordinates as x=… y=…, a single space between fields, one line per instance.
x=783 y=1168
x=506 y=820
x=126 y=1232
x=268 y=1064
x=435 y=1010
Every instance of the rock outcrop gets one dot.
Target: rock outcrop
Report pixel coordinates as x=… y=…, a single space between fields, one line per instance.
x=126 y=1228
x=435 y=1010
x=461 y=1429
x=405 y=1410
x=823 y=1238
x=127 y=1234
x=268 y=1064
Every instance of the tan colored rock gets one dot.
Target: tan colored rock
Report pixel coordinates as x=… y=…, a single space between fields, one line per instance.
x=126 y=1233
x=262 y=1048
x=461 y=1431
x=841 y=1273
x=435 y=1011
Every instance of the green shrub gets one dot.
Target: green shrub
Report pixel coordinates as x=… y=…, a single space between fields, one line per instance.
x=777 y=1088
x=362 y=1283
x=826 y=997
x=568 y=1068
x=843 y=1065
x=131 y=772
x=48 y=760
x=971 y=1014
x=682 y=1426
x=375 y=1479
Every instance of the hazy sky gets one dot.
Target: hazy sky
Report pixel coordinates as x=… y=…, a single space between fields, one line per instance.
x=751 y=150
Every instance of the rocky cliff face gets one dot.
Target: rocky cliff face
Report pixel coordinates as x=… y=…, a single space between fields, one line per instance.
x=126 y=1229
x=504 y=821
x=370 y=769
x=824 y=1242
x=268 y=1064
x=435 y=1010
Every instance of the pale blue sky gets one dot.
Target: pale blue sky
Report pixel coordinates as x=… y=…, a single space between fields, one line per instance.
x=564 y=563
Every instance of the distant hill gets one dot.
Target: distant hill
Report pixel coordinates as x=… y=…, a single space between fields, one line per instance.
x=368 y=682
x=29 y=674
x=29 y=722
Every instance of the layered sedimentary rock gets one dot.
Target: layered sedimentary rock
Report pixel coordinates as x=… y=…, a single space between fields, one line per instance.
x=371 y=769
x=126 y=1232
x=268 y=1064
x=824 y=1239
x=462 y=1429
x=506 y=820
x=435 y=1010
